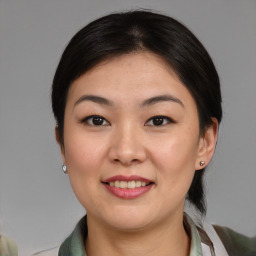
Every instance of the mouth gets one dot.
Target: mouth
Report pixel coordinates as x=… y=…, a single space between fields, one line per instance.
x=128 y=184
x=128 y=187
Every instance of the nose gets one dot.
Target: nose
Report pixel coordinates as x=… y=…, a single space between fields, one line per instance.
x=126 y=146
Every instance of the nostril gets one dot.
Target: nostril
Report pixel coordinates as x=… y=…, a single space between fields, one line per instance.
x=126 y=160
x=127 y=155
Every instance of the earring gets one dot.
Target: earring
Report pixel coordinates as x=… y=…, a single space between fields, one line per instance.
x=202 y=163
x=64 y=168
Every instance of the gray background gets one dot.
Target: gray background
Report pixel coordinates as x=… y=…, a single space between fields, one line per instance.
x=38 y=208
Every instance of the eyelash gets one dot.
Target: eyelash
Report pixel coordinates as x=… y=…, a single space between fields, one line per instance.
x=89 y=120
x=86 y=120
x=164 y=118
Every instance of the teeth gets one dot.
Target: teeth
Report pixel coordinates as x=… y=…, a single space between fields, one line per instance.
x=128 y=184
x=138 y=183
x=117 y=184
x=131 y=184
x=123 y=184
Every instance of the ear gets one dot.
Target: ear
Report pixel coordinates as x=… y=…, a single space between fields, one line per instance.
x=61 y=145
x=207 y=145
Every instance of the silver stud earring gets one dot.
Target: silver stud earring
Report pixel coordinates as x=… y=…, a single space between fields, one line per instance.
x=64 y=168
x=202 y=163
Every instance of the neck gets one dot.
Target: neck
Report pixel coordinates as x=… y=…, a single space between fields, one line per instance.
x=163 y=239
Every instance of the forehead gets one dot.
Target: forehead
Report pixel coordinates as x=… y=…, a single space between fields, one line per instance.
x=135 y=75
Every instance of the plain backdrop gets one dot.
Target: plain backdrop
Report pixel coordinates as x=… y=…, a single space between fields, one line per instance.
x=37 y=205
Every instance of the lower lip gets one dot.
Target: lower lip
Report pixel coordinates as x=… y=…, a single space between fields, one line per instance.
x=127 y=193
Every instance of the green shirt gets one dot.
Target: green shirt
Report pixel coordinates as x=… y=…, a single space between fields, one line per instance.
x=204 y=242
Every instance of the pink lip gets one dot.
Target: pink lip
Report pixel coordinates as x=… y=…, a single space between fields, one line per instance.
x=127 y=193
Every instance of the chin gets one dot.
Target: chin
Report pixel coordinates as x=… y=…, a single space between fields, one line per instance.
x=128 y=220
x=130 y=225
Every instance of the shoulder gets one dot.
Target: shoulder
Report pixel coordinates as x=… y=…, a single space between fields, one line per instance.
x=235 y=243
x=72 y=245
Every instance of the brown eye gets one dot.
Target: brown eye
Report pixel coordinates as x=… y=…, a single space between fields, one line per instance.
x=95 y=121
x=159 y=121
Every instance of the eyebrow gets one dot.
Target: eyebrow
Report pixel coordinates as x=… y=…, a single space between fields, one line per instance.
x=151 y=101
x=96 y=99
x=161 y=98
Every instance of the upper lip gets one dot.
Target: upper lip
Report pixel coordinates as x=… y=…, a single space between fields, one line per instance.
x=127 y=178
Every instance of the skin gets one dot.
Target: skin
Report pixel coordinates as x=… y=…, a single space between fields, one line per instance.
x=128 y=143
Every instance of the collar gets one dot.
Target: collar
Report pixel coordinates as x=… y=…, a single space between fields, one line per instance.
x=74 y=244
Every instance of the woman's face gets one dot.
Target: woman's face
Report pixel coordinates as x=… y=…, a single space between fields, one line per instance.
x=130 y=122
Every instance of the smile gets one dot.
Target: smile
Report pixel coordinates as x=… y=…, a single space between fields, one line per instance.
x=128 y=187
x=128 y=184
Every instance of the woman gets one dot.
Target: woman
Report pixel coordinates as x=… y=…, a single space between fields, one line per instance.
x=137 y=102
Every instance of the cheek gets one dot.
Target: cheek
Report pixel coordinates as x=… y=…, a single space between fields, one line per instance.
x=175 y=159
x=83 y=152
x=177 y=150
x=84 y=156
